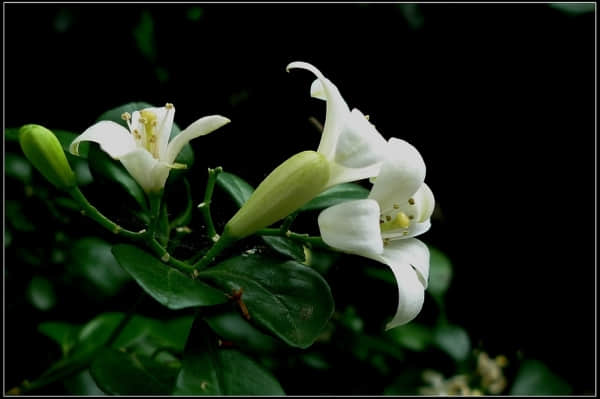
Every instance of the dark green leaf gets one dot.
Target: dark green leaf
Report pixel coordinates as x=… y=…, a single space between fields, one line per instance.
x=168 y=286
x=288 y=298
x=208 y=370
x=286 y=247
x=41 y=293
x=574 y=8
x=231 y=326
x=17 y=217
x=412 y=336
x=535 y=378
x=17 y=167
x=11 y=134
x=66 y=138
x=121 y=373
x=320 y=260
x=236 y=187
x=453 y=340
x=81 y=169
x=92 y=259
x=440 y=274
x=82 y=384
x=65 y=334
x=335 y=195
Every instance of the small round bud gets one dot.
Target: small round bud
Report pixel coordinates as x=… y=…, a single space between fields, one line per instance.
x=43 y=150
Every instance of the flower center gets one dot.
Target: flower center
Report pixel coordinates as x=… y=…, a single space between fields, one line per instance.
x=148 y=122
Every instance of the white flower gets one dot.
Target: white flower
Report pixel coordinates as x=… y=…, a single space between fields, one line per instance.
x=351 y=144
x=381 y=227
x=144 y=149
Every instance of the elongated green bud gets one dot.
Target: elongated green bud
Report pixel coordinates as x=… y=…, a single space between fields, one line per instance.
x=291 y=185
x=44 y=151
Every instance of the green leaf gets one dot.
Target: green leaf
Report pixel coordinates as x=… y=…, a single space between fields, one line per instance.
x=236 y=187
x=121 y=373
x=168 y=286
x=65 y=334
x=574 y=8
x=453 y=340
x=11 y=134
x=231 y=326
x=335 y=195
x=103 y=167
x=413 y=336
x=286 y=247
x=66 y=138
x=320 y=260
x=17 y=216
x=92 y=259
x=535 y=378
x=41 y=293
x=287 y=298
x=440 y=274
x=208 y=370
x=17 y=167
x=83 y=384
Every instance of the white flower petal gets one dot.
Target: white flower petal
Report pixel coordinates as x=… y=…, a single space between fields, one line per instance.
x=140 y=163
x=201 y=127
x=352 y=227
x=340 y=174
x=401 y=174
x=411 y=294
x=165 y=116
x=424 y=202
x=317 y=91
x=359 y=144
x=412 y=252
x=113 y=138
x=337 y=109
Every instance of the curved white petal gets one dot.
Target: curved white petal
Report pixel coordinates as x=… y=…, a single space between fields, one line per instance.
x=165 y=125
x=352 y=227
x=336 y=108
x=411 y=294
x=413 y=230
x=359 y=144
x=317 y=91
x=413 y=252
x=113 y=138
x=425 y=203
x=140 y=163
x=159 y=175
x=341 y=174
x=201 y=127
x=401 y=174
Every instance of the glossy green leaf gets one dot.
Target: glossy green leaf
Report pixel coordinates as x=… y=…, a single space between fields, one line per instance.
x=535 y=378
x=66 y=138
x=41 y=293
x=453 y=340
x=320 y=260
x=236 y=187
x=82 y=384
x=92 y=259
x=64 y=334
x=11 y=134
x=440 y=274
x=335 y=195
x=17 y=167
x=287 y=298
x=167 y=285
x=121 y=373
x=286 y=247
x=413 y=336
x=232 y=327
x=208 y=370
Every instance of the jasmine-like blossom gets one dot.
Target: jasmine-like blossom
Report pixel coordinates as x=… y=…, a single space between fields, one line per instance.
x=351 y=144
x=383 y=226
x=144 y=148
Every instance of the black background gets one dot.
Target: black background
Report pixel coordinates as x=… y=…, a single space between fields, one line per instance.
x=498 y=98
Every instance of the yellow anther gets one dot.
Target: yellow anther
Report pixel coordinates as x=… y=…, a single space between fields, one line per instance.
x=411 y=201
x=388 y=218
x=405 y=233
x=396 y=206
x=402 y=220
x=126 y=116
x=169 y=106
x=367 y=117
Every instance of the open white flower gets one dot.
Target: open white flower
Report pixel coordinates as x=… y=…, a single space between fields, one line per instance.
x=382 y=226
x=144 y=149
x=351 y=144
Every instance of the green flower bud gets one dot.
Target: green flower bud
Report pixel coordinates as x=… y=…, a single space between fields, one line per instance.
x=291 y=185
x=44 y=151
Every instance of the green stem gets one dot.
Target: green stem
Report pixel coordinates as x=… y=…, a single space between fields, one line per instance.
x=221 y=244
x=312 y=241
x=287 y=222
x=205 y=205
x=155 y=200
x=89 y=210
x=167 y=258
